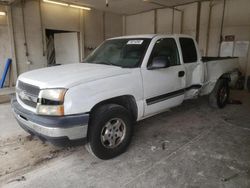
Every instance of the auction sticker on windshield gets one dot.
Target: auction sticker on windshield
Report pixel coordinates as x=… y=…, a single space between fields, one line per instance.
x=138 y=42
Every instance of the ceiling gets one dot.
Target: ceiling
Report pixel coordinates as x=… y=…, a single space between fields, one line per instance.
x=126 y=7
x=129 y=6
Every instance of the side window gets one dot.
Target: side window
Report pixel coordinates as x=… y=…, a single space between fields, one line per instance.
x=166 y=48
x=188 y=49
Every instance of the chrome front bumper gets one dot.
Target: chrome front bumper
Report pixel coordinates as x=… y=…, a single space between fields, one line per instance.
x=73 y=127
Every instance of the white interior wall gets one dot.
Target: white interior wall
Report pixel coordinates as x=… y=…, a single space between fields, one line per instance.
x=189 y=19
x=100 y=26
x=60 y=17
x=236 y=22
x=204 y=19
x=113 y=25
x=140 y=23
x=164 y=21
x=89 y=23
x=19 y=39
x=34 y=35
x=5 y=48
x=177 y=22
x=215 y=27
x=94 y=30
x=237 y=16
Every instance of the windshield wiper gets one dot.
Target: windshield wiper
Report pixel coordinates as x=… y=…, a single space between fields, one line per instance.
x=106 y=63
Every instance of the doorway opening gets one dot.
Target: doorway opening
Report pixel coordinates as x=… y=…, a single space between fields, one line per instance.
x=62 y=47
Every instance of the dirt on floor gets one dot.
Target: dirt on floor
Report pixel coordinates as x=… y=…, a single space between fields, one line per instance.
x=23 y=152
x=4 y=99
x=20 y=154
x=193 y=145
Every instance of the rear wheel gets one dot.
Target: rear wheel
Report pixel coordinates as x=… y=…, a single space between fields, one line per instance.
x=220 y=94
x=110 y=131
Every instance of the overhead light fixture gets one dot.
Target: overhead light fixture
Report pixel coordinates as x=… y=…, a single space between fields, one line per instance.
x=55 y=2
x=80 y=7
x=65 y=4
x=2 y=13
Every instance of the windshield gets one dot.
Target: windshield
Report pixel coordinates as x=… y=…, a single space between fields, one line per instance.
x=120 y=52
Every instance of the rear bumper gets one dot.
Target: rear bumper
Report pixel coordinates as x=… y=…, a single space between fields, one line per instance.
x=72 y=127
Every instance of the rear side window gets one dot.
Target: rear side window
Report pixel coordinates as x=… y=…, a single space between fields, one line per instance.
x=188 y=49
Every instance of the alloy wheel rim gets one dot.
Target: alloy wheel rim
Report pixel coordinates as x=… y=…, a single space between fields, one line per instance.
x=113 y=133
x=223 y=95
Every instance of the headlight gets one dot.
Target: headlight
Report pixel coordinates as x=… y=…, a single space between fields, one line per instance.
x=52 y=94
x=50 y=102
x=50 y=110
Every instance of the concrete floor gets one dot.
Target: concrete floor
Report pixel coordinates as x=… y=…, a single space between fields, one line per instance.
x=190 y=146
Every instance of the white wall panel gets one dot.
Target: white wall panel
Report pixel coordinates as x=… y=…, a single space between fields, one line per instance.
x=189 y=19
x=4 y=38
x=113 y=25
x=140 y=23
x=60 y=17
x=164 y=21
x=94 y=30
x=5 y=48
x=57 y=18
x=177 y=22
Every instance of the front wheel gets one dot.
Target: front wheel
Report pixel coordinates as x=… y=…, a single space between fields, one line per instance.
x=110 y=131
x=220 y=94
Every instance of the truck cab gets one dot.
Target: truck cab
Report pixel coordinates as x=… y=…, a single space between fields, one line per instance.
x=172 y=72
x=126 y=79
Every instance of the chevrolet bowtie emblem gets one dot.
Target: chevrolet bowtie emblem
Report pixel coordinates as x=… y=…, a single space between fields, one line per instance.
x=24 y=96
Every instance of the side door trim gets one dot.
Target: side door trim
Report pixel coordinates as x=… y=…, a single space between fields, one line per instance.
x=170 y=95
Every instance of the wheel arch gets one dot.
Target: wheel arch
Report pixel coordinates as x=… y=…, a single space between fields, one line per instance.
x=127 y=101
x=225 y=76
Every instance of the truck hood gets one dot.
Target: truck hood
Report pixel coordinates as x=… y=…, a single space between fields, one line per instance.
x=66 y=76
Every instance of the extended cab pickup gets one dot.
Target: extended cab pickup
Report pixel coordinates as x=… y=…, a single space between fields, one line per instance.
x=126 y=79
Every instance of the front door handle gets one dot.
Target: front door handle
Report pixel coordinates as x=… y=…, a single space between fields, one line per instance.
x=181 y=73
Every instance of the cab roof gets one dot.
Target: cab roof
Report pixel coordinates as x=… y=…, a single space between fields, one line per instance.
x=150 y=36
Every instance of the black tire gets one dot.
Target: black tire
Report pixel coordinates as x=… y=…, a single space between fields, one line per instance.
x=248 y=83
x=99 y=119
x=218 y=98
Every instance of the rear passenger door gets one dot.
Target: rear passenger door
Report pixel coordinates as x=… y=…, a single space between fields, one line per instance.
x=164 y=87
x=193 y=66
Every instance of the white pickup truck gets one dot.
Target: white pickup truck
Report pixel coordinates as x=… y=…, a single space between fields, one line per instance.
x=126 y=79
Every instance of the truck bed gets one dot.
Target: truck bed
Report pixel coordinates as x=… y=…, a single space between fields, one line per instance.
x=214 y=68
x=208 y=59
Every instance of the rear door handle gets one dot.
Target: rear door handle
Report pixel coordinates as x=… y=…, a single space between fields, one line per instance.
x=181 y=73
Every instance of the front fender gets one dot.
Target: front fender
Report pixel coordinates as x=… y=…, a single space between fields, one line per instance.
x=82 y=98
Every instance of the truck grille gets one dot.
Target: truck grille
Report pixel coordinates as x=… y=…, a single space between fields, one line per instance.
x=28 y=94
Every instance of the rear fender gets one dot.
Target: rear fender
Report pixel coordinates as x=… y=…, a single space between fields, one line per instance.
x=232 y=78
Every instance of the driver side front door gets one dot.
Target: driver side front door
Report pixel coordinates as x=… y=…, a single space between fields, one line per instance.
x=164 y=88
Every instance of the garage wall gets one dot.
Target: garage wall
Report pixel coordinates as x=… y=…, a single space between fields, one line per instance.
x=60 y=17
x=189 y=19
x=5 y=48
x=94 y=26
x=30 y=18
x=236 y=22
x=113 y=25
x=164 y=21
x=99 y=26
x=147 y=23
x=94 y=30
x=140 y=23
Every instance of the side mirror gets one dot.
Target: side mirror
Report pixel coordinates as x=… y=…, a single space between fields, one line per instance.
x=159 y=63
